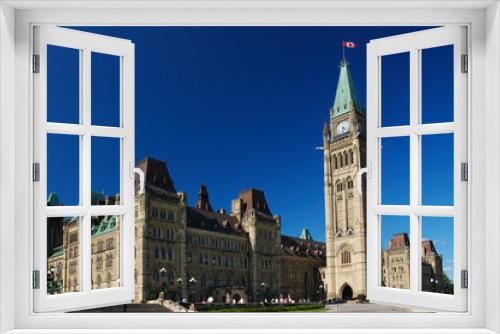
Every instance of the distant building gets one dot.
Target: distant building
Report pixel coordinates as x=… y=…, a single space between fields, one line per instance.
x=195 y=252
x=396 y=265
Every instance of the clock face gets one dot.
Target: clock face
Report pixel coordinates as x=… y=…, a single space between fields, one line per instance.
x=342 y=127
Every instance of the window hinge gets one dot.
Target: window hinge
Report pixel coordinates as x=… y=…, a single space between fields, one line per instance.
x=465 y=63
x=36 y=172
x=464 y=171
x=36 y=63
x=464 y=284
x=36 y=279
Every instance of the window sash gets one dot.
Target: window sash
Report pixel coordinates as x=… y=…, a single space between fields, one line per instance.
x=86 y=43
x=413 y=43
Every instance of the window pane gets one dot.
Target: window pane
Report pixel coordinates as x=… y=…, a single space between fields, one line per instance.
x=395 y=95
x=63 y=255
x=105 y=252
x=63 y=170
x=105 y=90
x=395 y=171
x=437 y=170
x=63 y=84
x=437 y=84
x=437 y=254
x=105 y=171
x=395 y=250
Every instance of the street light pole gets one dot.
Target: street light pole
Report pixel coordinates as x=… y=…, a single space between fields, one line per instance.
x=162 y=272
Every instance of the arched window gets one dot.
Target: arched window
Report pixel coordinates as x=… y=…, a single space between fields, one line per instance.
x=350 y=183
x=339 y=186
x=352 y=156
x=335 y=162
x=345 y=159
x=156 y=252
x=170 y=254
x=163 y=253
x=346 y=257
x=339 y=157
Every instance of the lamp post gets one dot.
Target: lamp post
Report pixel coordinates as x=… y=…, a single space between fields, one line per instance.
x=53 y=270
x=434 y=283
x=163 y=272
x=321 y=293
x=179 y=283
x=262 y=286
x=192 y=282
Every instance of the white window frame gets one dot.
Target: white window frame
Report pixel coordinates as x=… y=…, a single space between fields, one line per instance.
x=85 y=43
x=413 y=43
x=16 y=20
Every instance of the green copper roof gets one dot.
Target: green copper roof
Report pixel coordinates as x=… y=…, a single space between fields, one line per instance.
x=106 y=225
x=306 y=235
x=346 y=99
x=57 y=251
x=53 y=200
x=97 y=197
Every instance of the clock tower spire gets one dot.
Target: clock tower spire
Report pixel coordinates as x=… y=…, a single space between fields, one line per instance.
x=344 y=155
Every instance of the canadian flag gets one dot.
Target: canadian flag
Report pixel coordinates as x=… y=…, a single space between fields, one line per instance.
x=350 y=45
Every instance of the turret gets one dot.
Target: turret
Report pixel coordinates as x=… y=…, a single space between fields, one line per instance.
x=203 y=203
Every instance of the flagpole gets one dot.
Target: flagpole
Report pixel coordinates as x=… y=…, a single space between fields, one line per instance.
x=343 y=51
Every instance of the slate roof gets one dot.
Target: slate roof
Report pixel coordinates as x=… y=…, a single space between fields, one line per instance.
x=428 y=248
x=254 y=199
x=299 y=247
x=155 y=174
x=213 y=221
x=399 y=241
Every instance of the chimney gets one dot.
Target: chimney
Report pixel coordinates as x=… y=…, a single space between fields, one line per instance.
x=236 y=208
x=183 y=196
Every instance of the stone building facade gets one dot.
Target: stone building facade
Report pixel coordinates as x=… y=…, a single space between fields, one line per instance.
x=396 y=265
x=193 y=252
x=63 y=249
x=344 y=147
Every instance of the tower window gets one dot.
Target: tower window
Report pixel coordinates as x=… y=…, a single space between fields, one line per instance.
x=346 y=257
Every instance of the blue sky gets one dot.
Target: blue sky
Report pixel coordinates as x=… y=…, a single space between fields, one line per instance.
x=239 y=107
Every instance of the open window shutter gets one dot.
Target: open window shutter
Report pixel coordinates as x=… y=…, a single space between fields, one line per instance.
x=83 y=246
x=408 y=270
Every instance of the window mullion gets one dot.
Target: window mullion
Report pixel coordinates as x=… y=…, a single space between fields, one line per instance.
x=415 y=174
x=85 y=258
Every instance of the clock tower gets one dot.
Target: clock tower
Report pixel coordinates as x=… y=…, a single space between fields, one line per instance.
x=344 y=143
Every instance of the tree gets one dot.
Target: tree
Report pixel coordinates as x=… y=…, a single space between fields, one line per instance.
x=447 y=284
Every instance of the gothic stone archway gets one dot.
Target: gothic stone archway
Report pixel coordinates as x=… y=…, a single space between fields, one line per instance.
x=346 y=292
